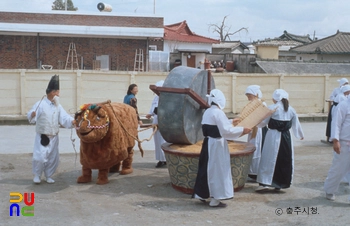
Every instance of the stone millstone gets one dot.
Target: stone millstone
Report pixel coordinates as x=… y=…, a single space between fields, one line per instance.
x=179 y=116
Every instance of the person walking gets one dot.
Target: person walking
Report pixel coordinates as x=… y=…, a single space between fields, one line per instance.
x=48 y=115
x=340 y=137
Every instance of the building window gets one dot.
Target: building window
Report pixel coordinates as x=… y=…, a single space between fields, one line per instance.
x=152 y=47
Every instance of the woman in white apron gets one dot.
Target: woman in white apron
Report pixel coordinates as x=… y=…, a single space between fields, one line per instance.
x=256 y=137
x=214 y=179
x=277 y=158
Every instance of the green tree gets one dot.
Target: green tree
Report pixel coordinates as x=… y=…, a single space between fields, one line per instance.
x=60 y=5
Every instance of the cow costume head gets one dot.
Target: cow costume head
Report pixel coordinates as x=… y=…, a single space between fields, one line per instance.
x=92 y=123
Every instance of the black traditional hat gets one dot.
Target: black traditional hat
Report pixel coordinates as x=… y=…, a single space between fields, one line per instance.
x=54 y=84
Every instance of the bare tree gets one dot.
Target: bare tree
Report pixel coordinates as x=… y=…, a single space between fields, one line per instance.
x=224 y=31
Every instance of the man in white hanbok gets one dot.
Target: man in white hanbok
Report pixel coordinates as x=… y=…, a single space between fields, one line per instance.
x=277 y=158
x=214 y=179
x=341 y=144
x=158 y=139
x=343 y=95
x=48 y=115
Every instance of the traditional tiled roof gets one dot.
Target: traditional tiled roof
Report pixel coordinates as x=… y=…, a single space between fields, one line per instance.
x=230 y=45
x=335 y=44
x=287 y=39
x=273 y=67
x=181 y=32
x=298 y=38
x=277 y=42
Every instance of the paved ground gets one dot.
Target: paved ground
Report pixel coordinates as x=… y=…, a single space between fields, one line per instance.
x=147 y=198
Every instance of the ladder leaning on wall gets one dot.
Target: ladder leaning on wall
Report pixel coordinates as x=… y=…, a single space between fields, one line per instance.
x=138 y=64
x=72 y=57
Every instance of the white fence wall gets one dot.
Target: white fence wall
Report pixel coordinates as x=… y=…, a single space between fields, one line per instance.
x=20 y=89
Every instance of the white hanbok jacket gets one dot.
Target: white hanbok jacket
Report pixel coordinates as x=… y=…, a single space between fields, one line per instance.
x=48 y=119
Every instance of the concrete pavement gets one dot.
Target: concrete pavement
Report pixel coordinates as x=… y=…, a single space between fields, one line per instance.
x=146 y=197
x=19 y=139
x=22 y=119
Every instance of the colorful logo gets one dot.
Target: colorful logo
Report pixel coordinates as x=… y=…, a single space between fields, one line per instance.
x=16 y=198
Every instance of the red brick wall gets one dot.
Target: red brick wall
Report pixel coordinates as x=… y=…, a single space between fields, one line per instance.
x=17 y=52
x=21 y=51
x=76 y=19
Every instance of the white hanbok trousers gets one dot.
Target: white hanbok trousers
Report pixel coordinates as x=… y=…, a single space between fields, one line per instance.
x=340 y=167
x=158 y=141
x=45 y=158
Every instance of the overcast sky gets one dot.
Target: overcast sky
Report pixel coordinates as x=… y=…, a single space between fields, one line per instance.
x=263 y=18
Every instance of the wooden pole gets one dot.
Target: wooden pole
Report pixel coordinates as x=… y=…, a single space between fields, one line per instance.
x=209 y=82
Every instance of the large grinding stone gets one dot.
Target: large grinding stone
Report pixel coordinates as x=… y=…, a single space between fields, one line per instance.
x=179 y=116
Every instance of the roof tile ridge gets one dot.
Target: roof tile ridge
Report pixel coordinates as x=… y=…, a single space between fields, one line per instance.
x=331 y=41
x=194 y=34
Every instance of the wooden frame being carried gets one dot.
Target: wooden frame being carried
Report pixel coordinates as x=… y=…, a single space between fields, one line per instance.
x=253 y=113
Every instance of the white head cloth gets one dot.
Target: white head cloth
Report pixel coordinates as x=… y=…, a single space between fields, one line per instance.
x=255 y=90
x=342 y=81
x=280 y=94
x=217 y=97
x=160 y=83
x=345 y=88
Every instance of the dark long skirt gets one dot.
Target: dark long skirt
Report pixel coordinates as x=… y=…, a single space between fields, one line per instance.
x=201 y=187
x=329 y=121
x=282 y=176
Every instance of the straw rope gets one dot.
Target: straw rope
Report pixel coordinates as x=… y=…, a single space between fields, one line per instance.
x=135 y=138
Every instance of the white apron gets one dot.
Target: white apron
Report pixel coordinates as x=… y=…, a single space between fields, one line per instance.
x=273 y=140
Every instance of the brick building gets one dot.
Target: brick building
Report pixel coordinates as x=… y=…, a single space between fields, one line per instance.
x=29 y=40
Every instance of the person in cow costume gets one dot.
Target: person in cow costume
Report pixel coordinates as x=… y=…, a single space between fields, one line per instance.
x=107 y=133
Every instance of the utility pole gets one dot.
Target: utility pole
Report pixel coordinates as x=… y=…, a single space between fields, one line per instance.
x=314 y=36
x=65 y=5
x=154 y=6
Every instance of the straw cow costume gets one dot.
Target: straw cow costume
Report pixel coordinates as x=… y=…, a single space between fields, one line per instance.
x=107 y=133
